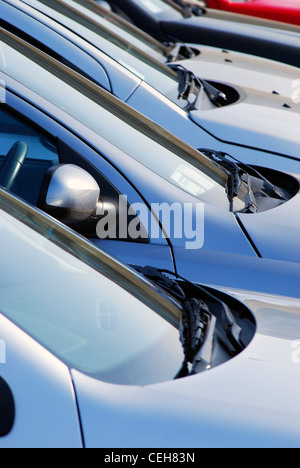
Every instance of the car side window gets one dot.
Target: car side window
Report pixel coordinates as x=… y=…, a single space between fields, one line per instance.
x=42 y=154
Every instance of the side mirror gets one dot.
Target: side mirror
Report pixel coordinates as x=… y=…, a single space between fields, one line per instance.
x=69 y=194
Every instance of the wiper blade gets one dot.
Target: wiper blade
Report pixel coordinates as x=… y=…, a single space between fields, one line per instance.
x=187 y=84
x=240 y=172
x=198 y=323
x=186 y=81
x=203 y=359
x=189 y=9
x=197 y=333
x=232 y=169
x=178 y=51
x=249 y=198
x=217 y=97
x=197 y=330
x=165 y=282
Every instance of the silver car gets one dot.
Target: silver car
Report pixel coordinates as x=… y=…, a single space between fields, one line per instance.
x=90 y=351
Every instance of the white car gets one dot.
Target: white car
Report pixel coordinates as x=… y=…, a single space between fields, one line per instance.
x=90 y=352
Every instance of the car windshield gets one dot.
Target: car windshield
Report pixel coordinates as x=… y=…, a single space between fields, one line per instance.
x=139 y=56
x=117 y=25
x=81 y=316
x=69 y=96
x=160 y=8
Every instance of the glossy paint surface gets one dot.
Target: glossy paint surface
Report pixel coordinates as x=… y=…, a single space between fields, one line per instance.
x=284 y=11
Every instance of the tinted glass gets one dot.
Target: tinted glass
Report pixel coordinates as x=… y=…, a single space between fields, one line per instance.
x=42 y=154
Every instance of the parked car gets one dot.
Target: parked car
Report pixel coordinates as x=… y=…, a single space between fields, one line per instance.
x=161 y=201
x=90 y=351
x=287 y=11
x=168 y=19
x=238 y=116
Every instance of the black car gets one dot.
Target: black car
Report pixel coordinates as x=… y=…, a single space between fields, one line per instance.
x=177 y=20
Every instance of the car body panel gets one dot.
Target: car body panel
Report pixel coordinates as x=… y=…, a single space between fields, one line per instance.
x=253 y=20
x=240 y=271
x=218 y=29
x=288 y=11
x=245 y=71
x=203 y=422
x=44 y=397
x=46 y=409
x=268 y=43
x=250 y=409
x=256 y=226
x=256 y=122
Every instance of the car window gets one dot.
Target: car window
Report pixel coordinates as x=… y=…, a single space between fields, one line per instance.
x=141 y=41
x=159 y=8
x=42 y=154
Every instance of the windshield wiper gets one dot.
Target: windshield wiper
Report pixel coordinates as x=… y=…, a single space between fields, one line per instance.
x=178 y=51
x=187 y=84
x=189 y=9
x=197 y=332
x=240 y=174
x=235 y=175
x=198 y=323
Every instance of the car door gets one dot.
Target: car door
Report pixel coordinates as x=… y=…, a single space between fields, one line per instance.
x=37 y=398
x=50 y=144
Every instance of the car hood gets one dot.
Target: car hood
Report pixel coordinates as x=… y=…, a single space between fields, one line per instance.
x=257 y=120
x=243 y=70
x=276 y=232
x=251 y=401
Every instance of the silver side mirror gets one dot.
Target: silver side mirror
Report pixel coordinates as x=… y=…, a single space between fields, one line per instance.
x=69 y=194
